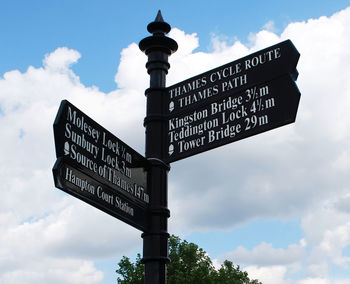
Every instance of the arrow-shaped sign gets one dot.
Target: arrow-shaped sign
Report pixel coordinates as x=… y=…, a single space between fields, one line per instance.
x=259 y=67
x=105 y=198
x=89 y=154
x=248 y=112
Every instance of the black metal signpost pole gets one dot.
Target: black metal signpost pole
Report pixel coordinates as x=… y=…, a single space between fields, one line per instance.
x=157 y=47
x=246 y=97
x=243 y=98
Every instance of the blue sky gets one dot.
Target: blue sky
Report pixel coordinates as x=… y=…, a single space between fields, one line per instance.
x=100 y=30
x=277 y=203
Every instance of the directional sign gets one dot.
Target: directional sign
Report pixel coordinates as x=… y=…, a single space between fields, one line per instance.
x=246 y=97
x=99 y=168
x=256 y=68
x=246 y=113
x=99 y=195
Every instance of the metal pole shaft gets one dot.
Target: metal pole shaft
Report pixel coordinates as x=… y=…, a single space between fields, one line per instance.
x=157 y=47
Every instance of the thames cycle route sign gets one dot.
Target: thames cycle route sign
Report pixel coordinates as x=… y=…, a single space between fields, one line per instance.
x=240 y=99
x=98 y=168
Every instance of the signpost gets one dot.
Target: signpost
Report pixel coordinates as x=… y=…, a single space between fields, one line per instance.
x=99 y=168
x=243 y=98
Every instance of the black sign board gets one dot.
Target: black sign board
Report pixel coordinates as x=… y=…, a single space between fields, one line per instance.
x=245 y=97
x=256 y=68
x=99 y=195
x=240 y=115
x=97 y=167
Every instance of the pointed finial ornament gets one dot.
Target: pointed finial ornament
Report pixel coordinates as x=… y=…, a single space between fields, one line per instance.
x=159 y=17
x=158 y=27
x=158 y=40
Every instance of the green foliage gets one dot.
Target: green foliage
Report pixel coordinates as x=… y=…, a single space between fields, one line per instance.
x=189 y=264
x=132 y=273
x=228 y=274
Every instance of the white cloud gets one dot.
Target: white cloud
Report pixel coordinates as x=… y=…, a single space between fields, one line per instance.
x=61 y=59
x=284 y=172
x=328 y=233
x=50 y=237
x=131 y=73
x=298 y=171
x=268 y=264
x=313 y=281
x=270 y=26
x=186 y=62
x=71 y=271
x=266 y=255
x=267 y=275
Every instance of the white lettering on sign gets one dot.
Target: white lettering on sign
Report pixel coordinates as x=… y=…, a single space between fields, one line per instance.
x=82 y=184
x=224 y=119
x=191 y=144
x=86 y=186
x=225 y=72
x=199 y=96
x=188 y=87
x=220 y=81
x=80 y=140
x=190 y=130
x=82 y=125
x=224 y=132
x=262 y=58
x=124 y=206
x=104 y=196
x=102 y=154
x=188 y=119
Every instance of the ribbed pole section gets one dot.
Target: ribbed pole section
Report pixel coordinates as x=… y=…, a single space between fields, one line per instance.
x=158 y=48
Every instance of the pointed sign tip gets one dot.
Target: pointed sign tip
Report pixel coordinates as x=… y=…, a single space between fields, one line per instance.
x=159 y=17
